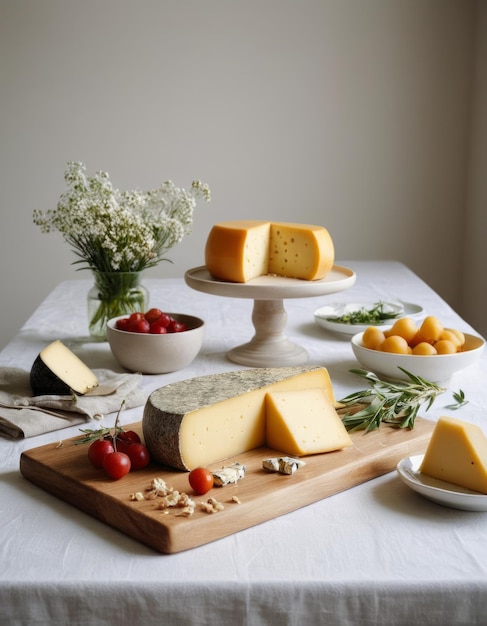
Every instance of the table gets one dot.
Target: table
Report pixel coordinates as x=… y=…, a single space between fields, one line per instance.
x=375 y=554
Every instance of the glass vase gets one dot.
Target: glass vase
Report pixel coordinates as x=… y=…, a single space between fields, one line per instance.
x=114 y=294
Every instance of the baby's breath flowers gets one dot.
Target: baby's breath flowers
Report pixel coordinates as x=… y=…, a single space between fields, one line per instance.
x=118 y=234
x=120 y=231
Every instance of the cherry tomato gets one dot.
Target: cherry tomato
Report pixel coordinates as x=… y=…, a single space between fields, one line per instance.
x=129 y=435
x=176 y=327
x=201 y=480
x=122 y=323
x=165 y=319
x=125 y=439
x=156 y=328
x=135 y=317
x=98 y=450
x=138 y=326
x=152 y=315
x=116 y=465
x=138 y=454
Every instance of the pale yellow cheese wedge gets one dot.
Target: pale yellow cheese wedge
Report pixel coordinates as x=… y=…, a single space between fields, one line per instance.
x=457 y=453
x=304 y=422
x=240 y=250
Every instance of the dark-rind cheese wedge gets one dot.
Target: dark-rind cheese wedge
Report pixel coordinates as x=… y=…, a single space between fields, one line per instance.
x=199 y=421
x=58 y=371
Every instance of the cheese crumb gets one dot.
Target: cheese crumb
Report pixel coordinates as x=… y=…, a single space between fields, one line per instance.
x=167 y=497
x=186 y=511
x=159 y=485
x=211 y=506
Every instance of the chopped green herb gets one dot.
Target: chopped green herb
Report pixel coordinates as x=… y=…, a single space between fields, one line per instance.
x=376 y=315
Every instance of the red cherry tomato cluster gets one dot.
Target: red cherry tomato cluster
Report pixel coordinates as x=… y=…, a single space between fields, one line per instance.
x=155 y=322
x=201 y=480
x=119 y=454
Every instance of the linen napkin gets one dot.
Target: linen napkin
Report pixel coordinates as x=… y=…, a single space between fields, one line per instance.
x=24 y=415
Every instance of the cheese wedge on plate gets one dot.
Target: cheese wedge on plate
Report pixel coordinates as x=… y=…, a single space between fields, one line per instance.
x=58 y=371
x=457 y=453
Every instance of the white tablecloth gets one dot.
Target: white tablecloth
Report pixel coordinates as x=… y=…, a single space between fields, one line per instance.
x=375 y=554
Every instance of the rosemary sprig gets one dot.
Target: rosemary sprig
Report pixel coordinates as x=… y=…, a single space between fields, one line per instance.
x=394 y=403
x=375 y=315
x=91 y=435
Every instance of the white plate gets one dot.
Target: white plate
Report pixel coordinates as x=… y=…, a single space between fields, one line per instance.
x=404 y=309
x=439 y=491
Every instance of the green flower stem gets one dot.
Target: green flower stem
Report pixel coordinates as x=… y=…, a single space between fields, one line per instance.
x=114 y=294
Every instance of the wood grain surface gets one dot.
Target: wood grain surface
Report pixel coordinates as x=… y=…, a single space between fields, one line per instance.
x=64 y=471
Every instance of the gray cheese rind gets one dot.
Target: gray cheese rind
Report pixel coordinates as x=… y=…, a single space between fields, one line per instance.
x=166 y=407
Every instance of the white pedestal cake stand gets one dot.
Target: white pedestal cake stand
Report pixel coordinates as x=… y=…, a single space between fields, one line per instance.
x=270 y=347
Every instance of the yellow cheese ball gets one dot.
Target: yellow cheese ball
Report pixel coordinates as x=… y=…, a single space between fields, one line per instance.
x=404 y=327
x=424 y=349
x=395 y=344
x=458 y=334
x=444 y=346
x=372 y=338
x=430 y=330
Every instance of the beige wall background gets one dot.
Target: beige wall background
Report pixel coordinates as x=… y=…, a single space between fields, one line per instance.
x=366 y=116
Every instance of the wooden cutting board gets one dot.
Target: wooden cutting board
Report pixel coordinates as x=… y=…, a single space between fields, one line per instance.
x=64 y=471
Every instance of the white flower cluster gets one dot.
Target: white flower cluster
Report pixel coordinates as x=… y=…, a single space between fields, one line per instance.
x=120 y=231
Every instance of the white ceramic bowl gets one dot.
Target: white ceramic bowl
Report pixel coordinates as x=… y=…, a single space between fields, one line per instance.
x=157 y=354
x=435 y=368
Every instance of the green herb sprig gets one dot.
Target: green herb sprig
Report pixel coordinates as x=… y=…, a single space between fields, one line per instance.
x=375 y=315
x=460 y=400
x=394 y=403
x=91 y=435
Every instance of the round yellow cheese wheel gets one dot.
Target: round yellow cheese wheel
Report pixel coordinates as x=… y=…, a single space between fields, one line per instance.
x=237 y=251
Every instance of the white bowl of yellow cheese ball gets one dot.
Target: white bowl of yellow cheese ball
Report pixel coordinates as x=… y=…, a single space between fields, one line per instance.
x=425 y=349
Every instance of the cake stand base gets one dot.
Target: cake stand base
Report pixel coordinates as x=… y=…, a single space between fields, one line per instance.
x=269 y=347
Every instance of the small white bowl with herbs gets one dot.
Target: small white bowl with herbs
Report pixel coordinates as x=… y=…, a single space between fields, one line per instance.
x=355 y=317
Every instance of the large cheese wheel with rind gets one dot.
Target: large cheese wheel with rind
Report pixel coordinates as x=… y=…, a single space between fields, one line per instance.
x=237 y=251
x=200 y=421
